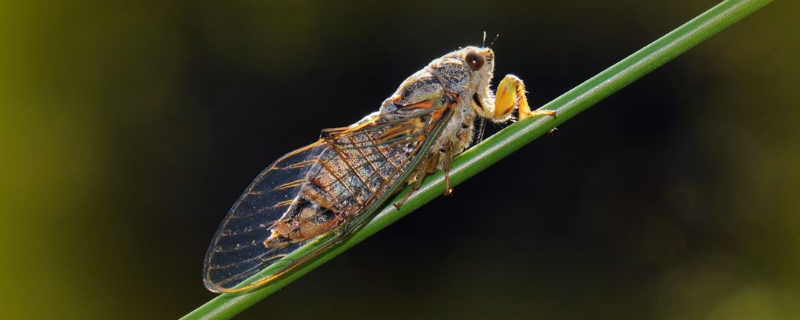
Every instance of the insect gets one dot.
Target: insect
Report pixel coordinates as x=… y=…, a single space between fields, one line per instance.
x=311 y=198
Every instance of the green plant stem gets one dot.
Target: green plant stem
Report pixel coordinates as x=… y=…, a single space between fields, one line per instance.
x=512 y=138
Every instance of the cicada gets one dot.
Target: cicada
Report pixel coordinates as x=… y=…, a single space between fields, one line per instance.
x=310 y=199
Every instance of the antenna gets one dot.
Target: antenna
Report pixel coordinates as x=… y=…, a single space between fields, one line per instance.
x=495 y=39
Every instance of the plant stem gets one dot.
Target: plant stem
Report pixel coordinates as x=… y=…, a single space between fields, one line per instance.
x=512 y=138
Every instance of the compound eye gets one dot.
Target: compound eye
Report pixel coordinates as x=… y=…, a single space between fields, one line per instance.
x=474 y=59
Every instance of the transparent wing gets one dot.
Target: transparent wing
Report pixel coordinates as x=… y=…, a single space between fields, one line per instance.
x=237 y=251
x=343 y=178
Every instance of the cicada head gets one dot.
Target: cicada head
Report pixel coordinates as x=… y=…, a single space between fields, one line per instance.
x=466 y=71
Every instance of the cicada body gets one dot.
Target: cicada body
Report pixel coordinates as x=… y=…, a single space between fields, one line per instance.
x=312 y=198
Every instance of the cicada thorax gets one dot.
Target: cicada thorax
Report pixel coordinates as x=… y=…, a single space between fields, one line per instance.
x=355 y=168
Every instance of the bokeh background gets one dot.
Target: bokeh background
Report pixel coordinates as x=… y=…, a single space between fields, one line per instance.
x=128 y=128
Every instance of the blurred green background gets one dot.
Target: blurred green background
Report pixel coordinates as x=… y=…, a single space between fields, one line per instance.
x=128 y=128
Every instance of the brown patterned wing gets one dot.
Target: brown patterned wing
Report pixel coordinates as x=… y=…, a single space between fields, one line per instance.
x=307 y=200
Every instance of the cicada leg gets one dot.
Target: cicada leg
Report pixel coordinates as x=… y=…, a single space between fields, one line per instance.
x=418 y=176
x=430 y=165
x=449 y=153
x=511 y=93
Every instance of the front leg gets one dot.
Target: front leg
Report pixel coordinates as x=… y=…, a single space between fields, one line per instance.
x=510 y=94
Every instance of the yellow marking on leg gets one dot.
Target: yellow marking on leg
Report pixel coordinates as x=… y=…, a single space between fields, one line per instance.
x=506 y=97
x=511 y=93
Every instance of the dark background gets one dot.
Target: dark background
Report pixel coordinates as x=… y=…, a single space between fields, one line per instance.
x=131 y=127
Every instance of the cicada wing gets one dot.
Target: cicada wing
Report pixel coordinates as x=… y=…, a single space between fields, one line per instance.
x=352 y=170
x=237 y=251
